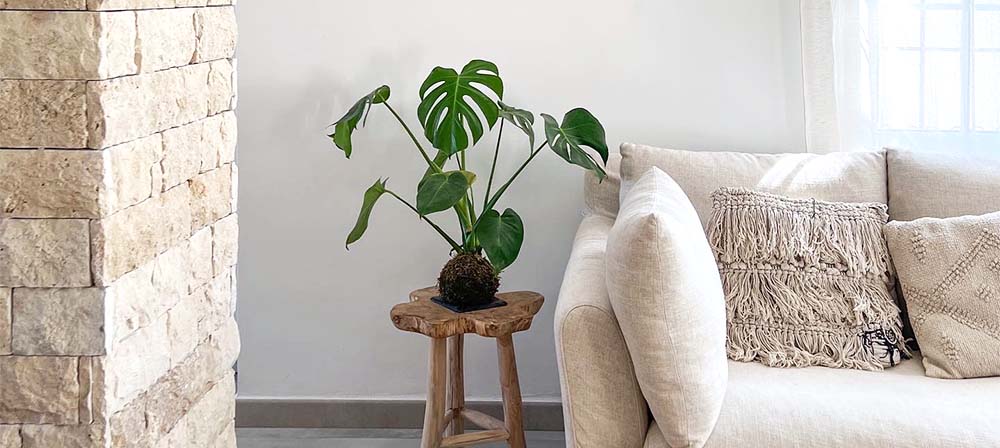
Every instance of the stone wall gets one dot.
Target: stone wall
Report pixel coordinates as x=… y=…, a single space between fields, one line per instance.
x=118 y=227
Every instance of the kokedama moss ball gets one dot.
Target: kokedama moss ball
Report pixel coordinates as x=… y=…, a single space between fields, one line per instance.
x=468 y=279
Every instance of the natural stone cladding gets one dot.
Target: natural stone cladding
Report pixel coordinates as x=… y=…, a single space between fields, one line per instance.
x=118 y=224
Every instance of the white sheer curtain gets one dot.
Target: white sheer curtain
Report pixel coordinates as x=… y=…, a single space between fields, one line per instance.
x=914 y=74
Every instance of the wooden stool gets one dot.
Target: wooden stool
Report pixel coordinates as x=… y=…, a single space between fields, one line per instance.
x=422 y=316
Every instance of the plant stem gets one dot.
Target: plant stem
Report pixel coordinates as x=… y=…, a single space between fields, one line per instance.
x=454 y=245
x=465 y=215
x=471 y=241
x=430 y=162
x=500 y=192
x=461 y=208
x=467 y=205
x=464 y=220
x=493 y=168
x=471 y=196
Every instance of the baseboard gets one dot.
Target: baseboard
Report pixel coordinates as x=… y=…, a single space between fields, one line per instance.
x=368 y=414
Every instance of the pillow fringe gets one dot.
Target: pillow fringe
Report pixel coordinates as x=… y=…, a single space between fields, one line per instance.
x=785 y=271
x=779 y=347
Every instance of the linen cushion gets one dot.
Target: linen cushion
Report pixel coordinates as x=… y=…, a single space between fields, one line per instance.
x=807 y=282
x=837 y=177
x=601 y=195
x=666 y=293
x=826 y=408
x=949 y=270
x=942 y=185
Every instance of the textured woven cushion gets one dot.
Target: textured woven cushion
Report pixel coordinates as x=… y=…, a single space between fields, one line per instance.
x=807 y=282
x=949 y=270
x=665 y=291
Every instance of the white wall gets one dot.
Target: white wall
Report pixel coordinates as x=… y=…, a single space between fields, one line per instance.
x=696 y=74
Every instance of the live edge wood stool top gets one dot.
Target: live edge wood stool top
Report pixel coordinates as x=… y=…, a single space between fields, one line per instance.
x=445 y=413
x=423 y=316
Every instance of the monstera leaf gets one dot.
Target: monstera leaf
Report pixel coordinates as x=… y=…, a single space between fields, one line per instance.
x=501 y=236
x=579 y=128
x=344 y=128
x=441 y=191
x=521 y=118
x=372 y=196
x=445 y=111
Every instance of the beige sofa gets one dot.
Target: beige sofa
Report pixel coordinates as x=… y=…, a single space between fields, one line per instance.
x=603 y=403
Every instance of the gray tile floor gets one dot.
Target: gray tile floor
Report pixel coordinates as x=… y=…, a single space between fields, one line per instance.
x=361 y=438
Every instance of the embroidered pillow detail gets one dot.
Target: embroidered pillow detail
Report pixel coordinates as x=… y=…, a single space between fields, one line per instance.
x=952 y=289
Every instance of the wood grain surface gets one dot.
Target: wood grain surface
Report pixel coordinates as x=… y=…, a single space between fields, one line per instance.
x=423 y=316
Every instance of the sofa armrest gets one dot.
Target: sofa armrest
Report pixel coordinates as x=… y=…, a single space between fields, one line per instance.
x=602 y=404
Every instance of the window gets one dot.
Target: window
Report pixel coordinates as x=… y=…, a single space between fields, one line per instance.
x=934 y=68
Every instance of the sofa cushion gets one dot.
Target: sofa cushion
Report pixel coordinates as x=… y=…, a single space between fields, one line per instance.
x=666 y=293
x=807 y=282
x=601 y=195
x=827 y=408
x=949 y=270
x=938 y=185
x=837 y=177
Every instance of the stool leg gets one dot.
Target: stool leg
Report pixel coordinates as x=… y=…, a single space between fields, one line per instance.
x=511 y=392
x=456 y=377
x=434 y=411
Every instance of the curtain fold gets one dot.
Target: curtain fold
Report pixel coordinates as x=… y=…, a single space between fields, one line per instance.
x=852 y=64
x=835 y=73
x=818 y=76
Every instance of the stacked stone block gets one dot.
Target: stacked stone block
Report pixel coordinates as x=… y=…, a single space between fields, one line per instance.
x=118 y=225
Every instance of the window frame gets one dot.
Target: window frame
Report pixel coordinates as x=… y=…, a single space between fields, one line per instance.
x=966 y=134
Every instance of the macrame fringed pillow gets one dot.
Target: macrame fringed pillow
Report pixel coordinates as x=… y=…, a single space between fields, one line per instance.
x=807 y=282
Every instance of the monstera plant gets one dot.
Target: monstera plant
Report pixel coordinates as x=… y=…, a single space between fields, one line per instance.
x=456 y=109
